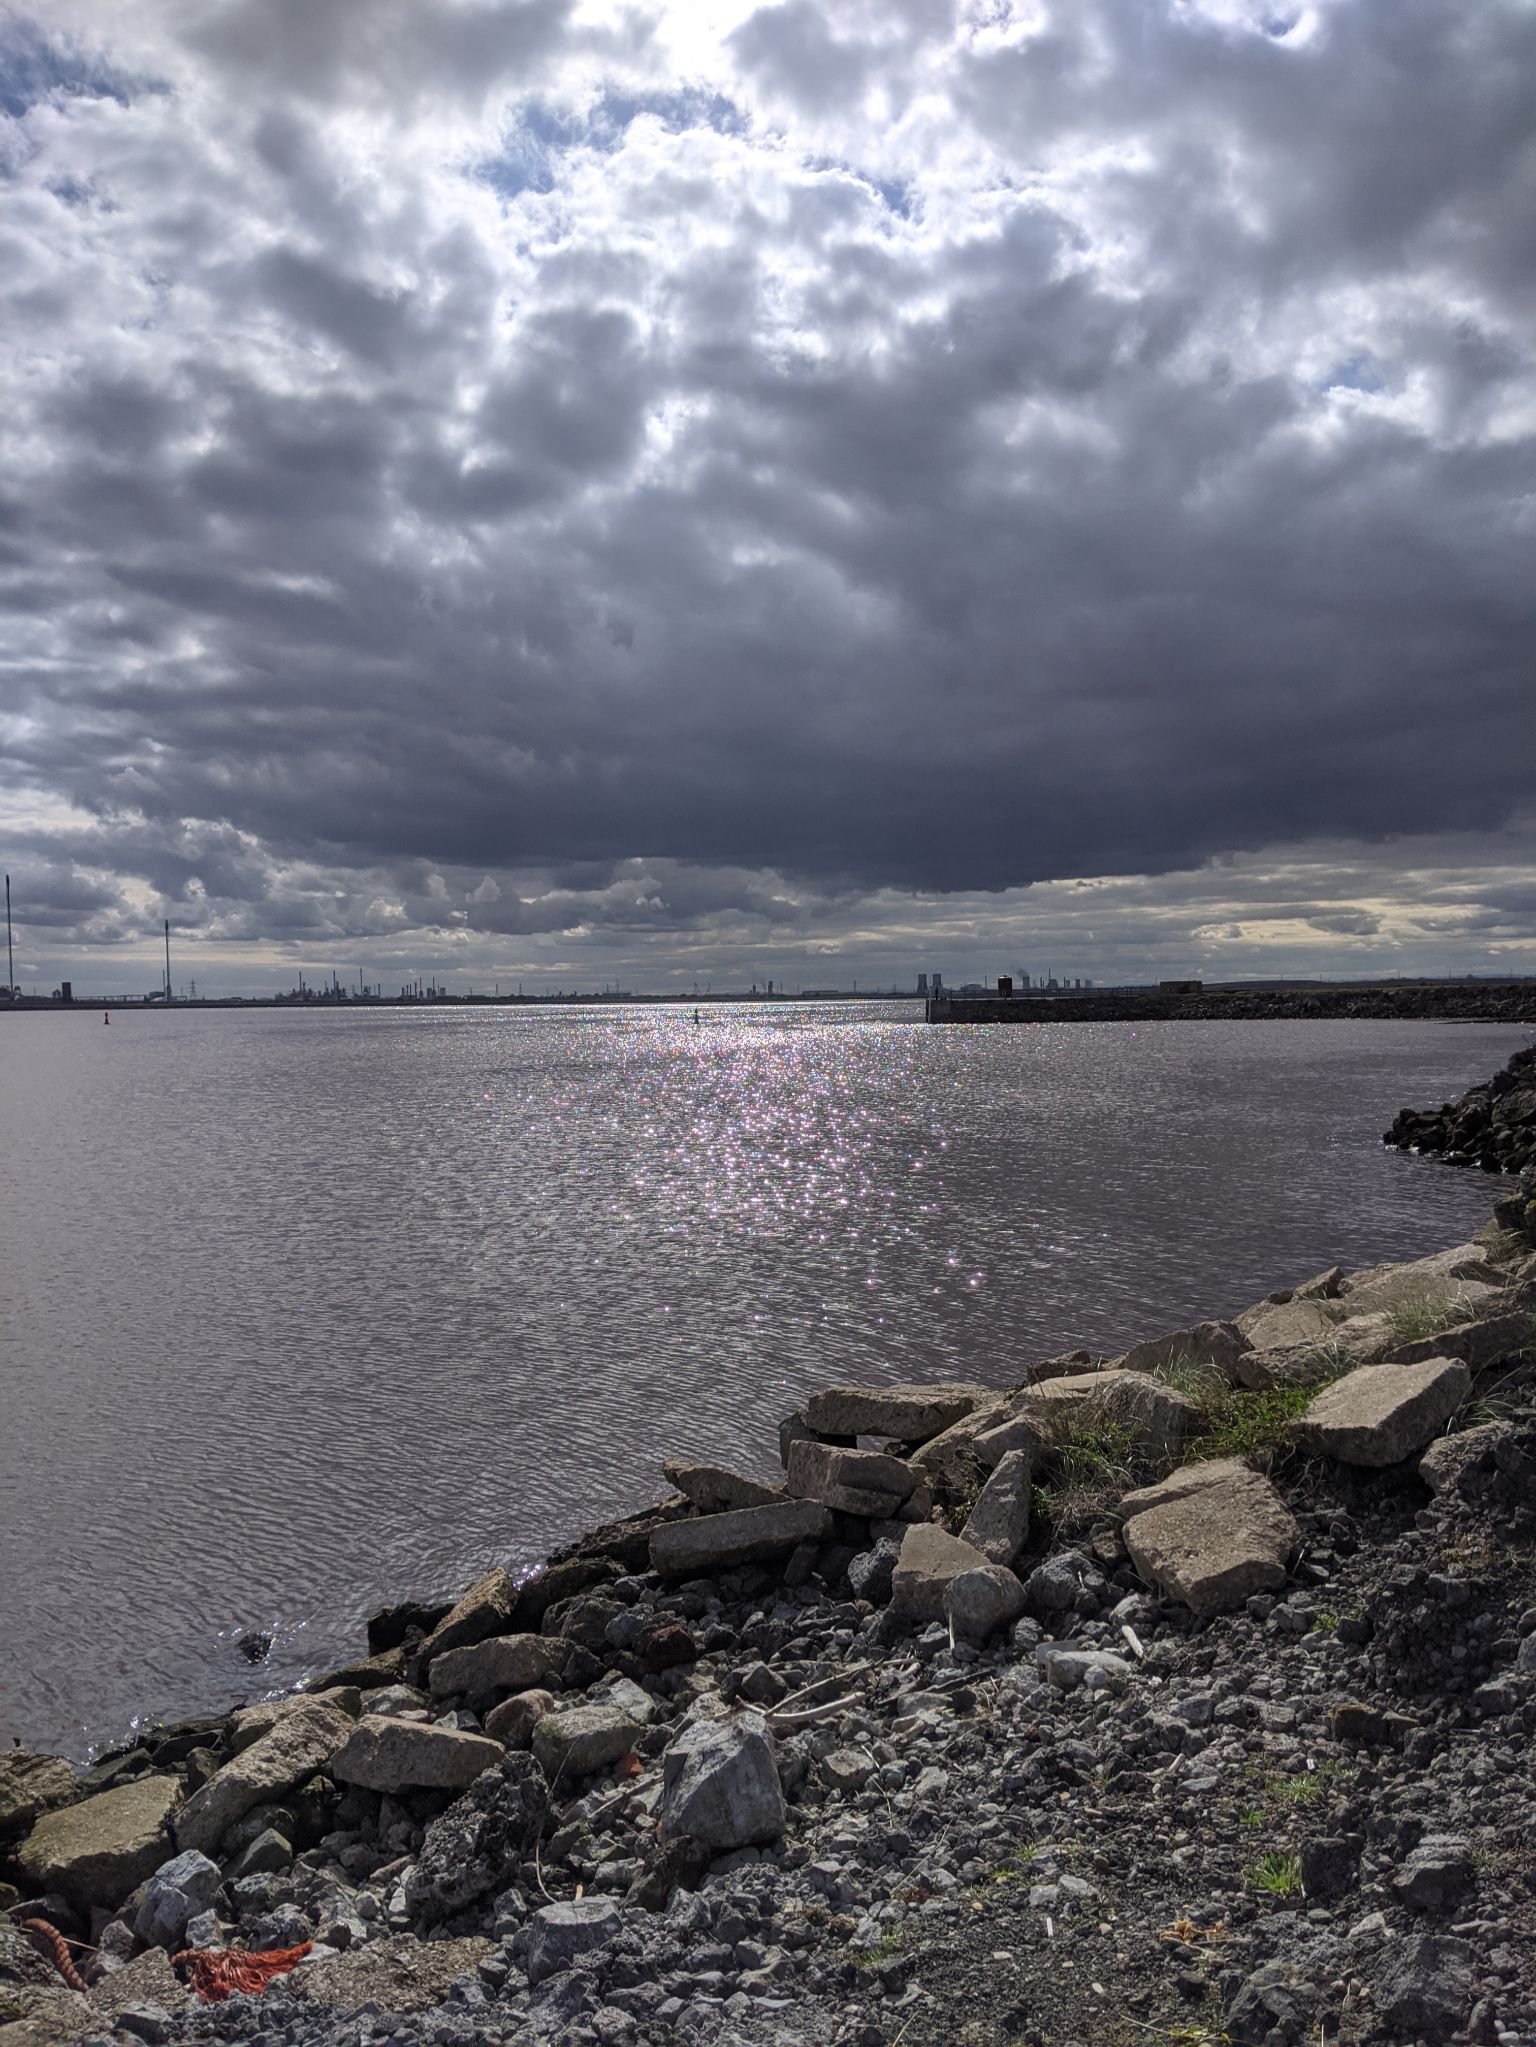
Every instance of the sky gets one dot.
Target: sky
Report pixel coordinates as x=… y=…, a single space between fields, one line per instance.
x=615 y=492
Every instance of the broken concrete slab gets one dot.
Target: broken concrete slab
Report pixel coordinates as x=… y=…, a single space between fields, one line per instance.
x=1380 y=1414
x=1211 y=1541
x=485 y=1609
x=583 y=1739
x=1211 y=1346
x=929 y=1559
x=713 y=1542
x=999 y=1522
x=405 y=1755
x=294 y=1747
x=504 y=1663
x=863 y=1482
x=714 y=1490
x=98 y=1851
x=905 y=1413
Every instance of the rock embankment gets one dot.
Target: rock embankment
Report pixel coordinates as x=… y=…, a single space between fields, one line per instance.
x=1184 y=1696
x=1492 y=1126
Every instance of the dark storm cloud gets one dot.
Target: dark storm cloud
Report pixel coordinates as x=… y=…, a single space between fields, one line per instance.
x=878 y=449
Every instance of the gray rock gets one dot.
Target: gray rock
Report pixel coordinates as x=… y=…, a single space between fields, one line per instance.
x=716 y=1541
x=99 y=1850
x=869 y=1573
x=404 y=1755
x=1065 y=1583
x=1275 y=2006
x=720 y=1784
x=1214 y=1346
x=485 y=1609
x=979 y=1602
x=558 y=1934
x=1436 y=1876
x=502 y=1663
x=1380 y=1414
x=864 y=1482
x=998 y=1524
x=1466 y=1462
x=906 y=1413
x=177 y=1892
x=1099 y=1669
x=1211 y=1535
x=298 y=1744
x=714 y=1490
x=31 y=1785
x=1478 y=1345
x=579 y=1740
x=1330 y=1865
x=929 y=1559
x=264 y=1856
x=1424 y=1992
x=477 y=1844
x=250 y=1723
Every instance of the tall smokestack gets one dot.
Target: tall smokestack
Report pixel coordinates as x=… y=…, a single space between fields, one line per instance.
x=167 y=959
x=10 y=958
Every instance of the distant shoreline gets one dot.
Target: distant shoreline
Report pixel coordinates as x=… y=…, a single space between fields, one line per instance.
x=1512 y=1001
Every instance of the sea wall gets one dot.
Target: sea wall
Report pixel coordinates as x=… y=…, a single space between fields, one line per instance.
x=1469 y=1002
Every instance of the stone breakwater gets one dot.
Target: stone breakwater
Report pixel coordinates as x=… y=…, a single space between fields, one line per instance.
x=1492 y=1126
x=1186 y=1695
x=1462 y=1001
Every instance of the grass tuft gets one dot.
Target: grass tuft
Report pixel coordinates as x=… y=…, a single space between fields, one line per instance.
x=1277 y=1873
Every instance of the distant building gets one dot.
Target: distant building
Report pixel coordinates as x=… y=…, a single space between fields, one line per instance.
x=1005 y=984
x=937 y=984
x=922 y=984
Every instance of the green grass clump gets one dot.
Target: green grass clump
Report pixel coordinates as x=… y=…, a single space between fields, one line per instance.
x=1413 y=1321
x=1277 y=1873
x=1252 y=1425
x=866 y=1957
x=1092 y=1461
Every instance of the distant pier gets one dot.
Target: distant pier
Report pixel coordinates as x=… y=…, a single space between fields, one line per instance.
x=1451 y=1001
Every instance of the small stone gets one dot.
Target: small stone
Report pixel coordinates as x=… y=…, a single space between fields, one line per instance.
x=1330 y=1865
x=1436 y=1876
x=514 y=1720
x=1425 y=1989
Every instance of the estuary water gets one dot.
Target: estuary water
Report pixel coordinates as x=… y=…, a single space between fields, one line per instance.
x=308 y=1311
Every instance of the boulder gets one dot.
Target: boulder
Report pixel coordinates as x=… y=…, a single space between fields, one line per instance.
x=714 y=1490
x=684 y=1549
x=558 y=1934
x=929 y=1559
x=1436 y=1875
x=31 y=1785
x=383 y=1754
x=579 y=1740
x=297 y=1744
x=1468 y=1462
x=99 y=1850
x=1284 y=1325
x=863 y=1482
x=558 y=1582
x=250 y=1723
x=177 y=1892
x=720 y=1784
x=979 y=1602
x=1478 y=1345
x=485 y=1609
x=869 y=1573
x=1211 y=1535
x=1424 y=1992
x=999 y=1522
x=477 y=1844
x=996 y=1439
x=1211 y=1346
x=514 y=1720
x=1380 y=1414
x=951 y=1461
x=907 y=1414
x=504 y=1663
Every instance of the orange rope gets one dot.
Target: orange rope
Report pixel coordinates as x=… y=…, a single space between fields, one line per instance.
x=218 y=1972
x=50 y=1939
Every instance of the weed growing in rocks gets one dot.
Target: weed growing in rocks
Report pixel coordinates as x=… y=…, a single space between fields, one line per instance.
x=1278 y=1873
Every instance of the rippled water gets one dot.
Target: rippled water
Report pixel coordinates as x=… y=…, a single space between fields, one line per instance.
x=303 y=1312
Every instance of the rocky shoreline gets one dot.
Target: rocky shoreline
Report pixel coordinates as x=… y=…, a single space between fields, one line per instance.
x=1492 y=1126
x=1182 y=1697
x=1408 y=1002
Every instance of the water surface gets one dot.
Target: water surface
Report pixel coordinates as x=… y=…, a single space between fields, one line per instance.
x=307 y=1311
